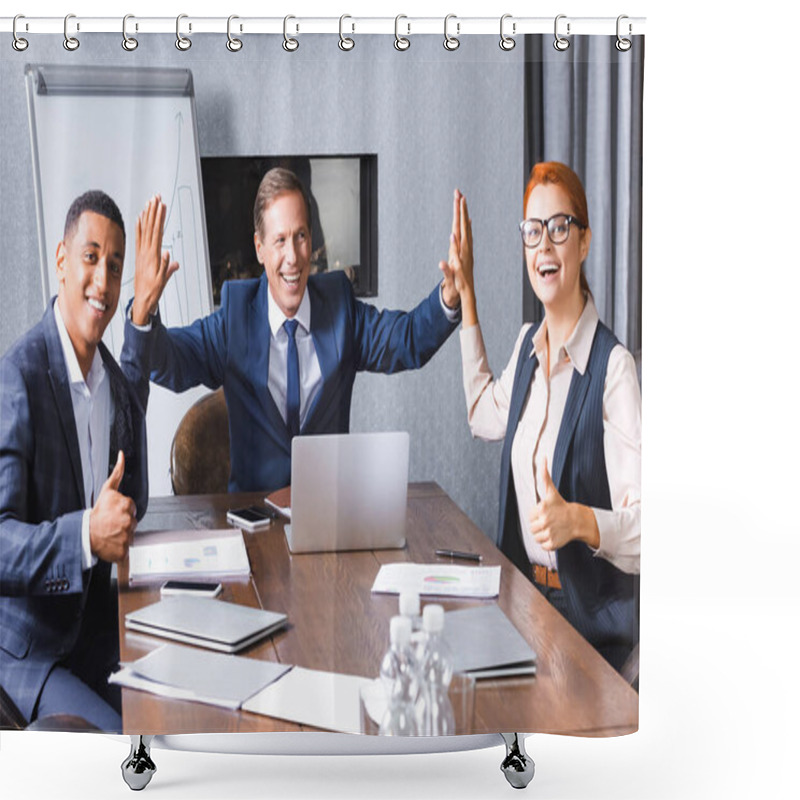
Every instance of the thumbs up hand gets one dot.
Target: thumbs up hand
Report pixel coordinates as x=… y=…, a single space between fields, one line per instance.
x=554 y=522
x=550 y=522
x=112 y=520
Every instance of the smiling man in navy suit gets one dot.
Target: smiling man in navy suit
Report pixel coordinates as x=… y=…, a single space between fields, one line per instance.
x=73 y=473
x=286 y=347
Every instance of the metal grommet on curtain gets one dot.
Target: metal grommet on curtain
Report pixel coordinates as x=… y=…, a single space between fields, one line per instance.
x=560 y=42
x=451 y=42
x=506 y=42
x=623 y=45
x=289 y=44
x=181 y=41
x=233 y=44
x=129 y=43
x=345 y=42
x=70 y=42
x=400 y=42
x=18 y=43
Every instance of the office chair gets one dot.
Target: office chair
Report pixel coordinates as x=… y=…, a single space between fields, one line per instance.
x=200 y=460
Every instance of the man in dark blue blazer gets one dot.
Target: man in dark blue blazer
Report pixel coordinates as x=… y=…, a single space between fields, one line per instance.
x=286 y=347
x=69 y=416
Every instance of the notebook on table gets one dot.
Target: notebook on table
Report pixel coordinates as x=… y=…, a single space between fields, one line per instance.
x=349 y=492
x=485 y=644
x=205 y=622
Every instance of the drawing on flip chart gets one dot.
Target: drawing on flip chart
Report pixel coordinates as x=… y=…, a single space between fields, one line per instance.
x=132 y=147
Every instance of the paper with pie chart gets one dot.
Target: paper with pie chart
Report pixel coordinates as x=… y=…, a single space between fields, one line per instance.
x=442 y=580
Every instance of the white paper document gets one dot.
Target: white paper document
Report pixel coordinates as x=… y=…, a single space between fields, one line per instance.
x=309 y=697
x=375 y=702
x=184 y=673
x=210 y=554
x=443 y=580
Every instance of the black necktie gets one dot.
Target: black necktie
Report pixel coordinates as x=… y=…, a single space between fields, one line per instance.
x=292 y=380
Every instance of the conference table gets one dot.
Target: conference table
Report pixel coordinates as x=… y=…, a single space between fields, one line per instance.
x=337 y=624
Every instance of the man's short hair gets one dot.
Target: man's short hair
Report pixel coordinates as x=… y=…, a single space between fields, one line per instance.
x=276 y=182
x=99 y=203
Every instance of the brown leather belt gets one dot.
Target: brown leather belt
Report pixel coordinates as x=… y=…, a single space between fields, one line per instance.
x=546 y=577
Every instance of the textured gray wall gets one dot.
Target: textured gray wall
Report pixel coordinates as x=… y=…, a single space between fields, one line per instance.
x=437 y=120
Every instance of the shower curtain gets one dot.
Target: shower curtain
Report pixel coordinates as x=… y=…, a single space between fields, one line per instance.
x=380 y=137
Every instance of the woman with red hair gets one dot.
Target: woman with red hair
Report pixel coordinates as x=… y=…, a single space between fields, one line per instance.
x=568 y=406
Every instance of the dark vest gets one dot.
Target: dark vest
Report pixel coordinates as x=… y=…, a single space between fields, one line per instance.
x=602 y=601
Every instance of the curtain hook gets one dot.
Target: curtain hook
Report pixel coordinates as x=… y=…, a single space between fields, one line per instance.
x=451 y=42
x=345 y=42
x=181 y=41
x=506 y=42
x=289 y=44
x=623 y=45
x=19 y=44
x=400 y=42
x=560 y=42
x=129 y=43
x=70 y=42
x=233 y=44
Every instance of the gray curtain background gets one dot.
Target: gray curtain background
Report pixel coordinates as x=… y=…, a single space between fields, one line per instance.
x=583 y=107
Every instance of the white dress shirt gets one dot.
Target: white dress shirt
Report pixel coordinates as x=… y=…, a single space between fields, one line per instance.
x=308 y=362
x=92 y=408
x=310 y=373
x=488 y=403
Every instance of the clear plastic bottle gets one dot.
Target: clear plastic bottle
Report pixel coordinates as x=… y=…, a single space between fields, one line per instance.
x=409 y=606
x=436 y=669
x=408 y=603
x=400 y=682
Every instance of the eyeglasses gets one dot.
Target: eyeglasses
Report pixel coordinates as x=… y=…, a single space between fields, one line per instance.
x=557 y=226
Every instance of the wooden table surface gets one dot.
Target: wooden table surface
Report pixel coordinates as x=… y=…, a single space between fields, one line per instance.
x=336 y=624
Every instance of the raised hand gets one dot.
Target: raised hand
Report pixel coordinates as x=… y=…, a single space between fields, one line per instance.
x=153 y=267
x=112 y=520
x=458 y=269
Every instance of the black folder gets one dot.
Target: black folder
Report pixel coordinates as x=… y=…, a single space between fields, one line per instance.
x=485 y=644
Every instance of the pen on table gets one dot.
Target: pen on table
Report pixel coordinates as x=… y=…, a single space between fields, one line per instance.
x=459 y=554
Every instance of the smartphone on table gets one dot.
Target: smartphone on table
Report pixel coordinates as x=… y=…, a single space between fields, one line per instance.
x=251 y=518
x=197 y=588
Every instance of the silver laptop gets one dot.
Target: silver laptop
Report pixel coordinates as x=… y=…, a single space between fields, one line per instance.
x=348 y=492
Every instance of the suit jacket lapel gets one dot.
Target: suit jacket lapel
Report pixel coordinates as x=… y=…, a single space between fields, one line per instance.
x=121 y=437
x=62 y=394
x=578 y=387
x=323 y=336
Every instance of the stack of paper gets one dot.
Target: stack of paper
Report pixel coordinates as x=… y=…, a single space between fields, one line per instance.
x=214 y=554
x=186 y=674
x=443 y=580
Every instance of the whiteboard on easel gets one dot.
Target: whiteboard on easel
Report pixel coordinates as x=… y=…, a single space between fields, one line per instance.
x=131 y=133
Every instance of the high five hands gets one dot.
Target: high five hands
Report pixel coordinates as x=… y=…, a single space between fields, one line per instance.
x=457 y=270
x=153 y=267
x=554 y=522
